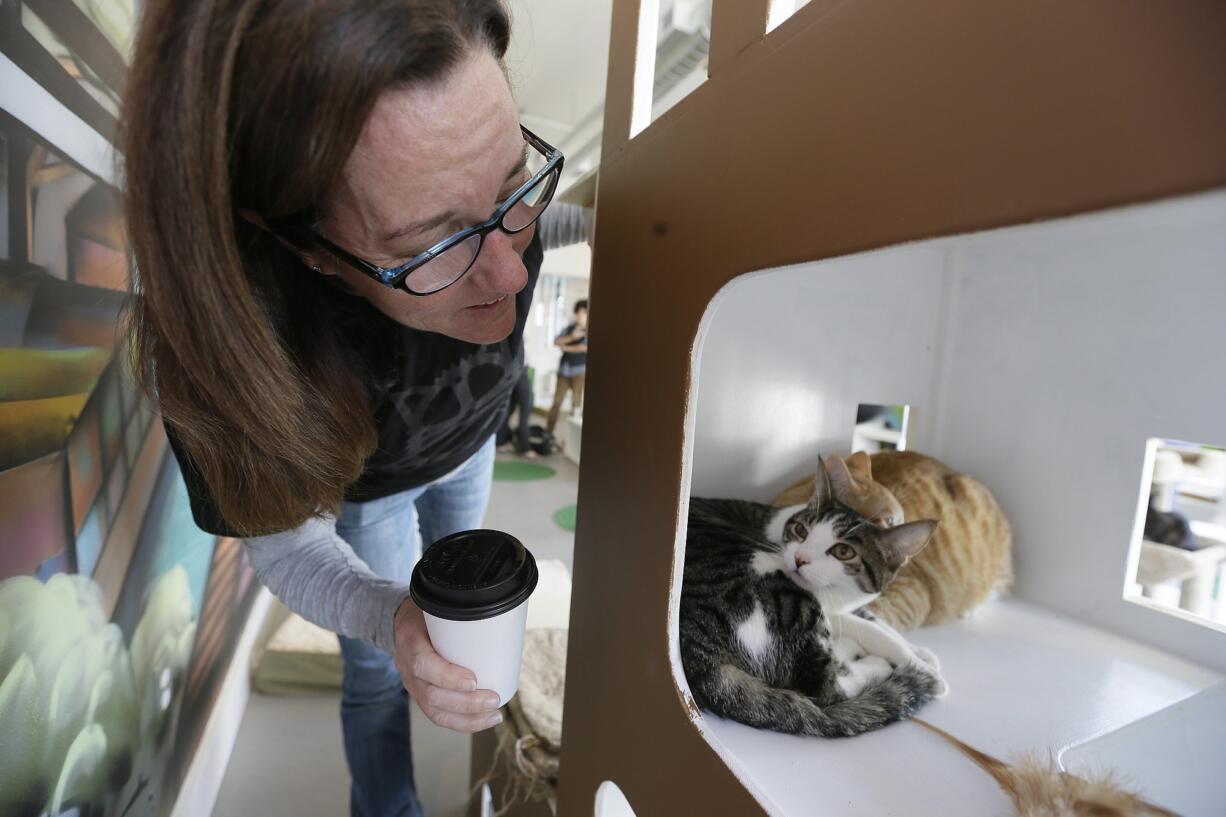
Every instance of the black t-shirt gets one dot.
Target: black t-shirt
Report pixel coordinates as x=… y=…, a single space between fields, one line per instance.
x=574 y=358
x=445 y=399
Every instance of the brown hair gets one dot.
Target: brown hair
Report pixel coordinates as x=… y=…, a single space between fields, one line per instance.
x=256 y=105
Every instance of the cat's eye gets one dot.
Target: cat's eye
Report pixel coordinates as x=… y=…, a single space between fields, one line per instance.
x=842 y=552
x=795 y=531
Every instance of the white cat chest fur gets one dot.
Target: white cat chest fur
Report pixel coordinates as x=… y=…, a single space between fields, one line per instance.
x=1040 y=359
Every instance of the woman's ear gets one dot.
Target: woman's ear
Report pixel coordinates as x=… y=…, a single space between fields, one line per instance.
x=310 y=260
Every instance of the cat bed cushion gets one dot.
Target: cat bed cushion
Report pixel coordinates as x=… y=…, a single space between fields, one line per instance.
x=530 y=738
x=542 y=678
x=524 y=773
x=299 y=659
x=542 y=684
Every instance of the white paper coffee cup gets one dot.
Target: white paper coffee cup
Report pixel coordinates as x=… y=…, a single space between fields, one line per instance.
x=473 y=588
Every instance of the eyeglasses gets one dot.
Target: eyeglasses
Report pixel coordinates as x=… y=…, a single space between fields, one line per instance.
x=447 y=261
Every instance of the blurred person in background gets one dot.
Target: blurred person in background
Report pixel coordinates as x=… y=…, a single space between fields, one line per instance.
x=572 y=368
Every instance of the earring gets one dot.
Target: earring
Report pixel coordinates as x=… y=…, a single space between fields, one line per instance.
x=317 y=270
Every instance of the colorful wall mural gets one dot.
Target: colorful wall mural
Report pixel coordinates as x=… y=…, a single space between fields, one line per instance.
x=118 y=617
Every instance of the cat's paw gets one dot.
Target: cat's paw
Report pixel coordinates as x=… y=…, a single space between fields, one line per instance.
x=847 y=650
x=940 y=686
x=927 y=656
x=865 y=672
x=916 y=684
x=874 y=668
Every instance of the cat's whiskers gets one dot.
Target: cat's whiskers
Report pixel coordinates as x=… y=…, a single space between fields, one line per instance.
x=855 y=527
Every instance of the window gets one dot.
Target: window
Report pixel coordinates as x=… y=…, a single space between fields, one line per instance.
x=782 y=10
x=880 y=428
x=1180 y=542
x=683 y=42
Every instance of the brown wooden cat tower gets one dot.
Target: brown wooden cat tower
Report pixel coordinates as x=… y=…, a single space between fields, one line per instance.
x=854 y=125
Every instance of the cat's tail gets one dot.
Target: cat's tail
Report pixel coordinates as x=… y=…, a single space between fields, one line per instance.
x=746 y=698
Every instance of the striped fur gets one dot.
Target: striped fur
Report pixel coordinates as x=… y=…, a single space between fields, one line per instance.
x=791 y=685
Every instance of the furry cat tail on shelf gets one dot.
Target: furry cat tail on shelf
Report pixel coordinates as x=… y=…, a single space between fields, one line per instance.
x=1039 y=788
x=969 y=557
x=772 y=628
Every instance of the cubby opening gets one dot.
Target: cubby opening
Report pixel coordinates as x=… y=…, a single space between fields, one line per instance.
x=611 y=801
x=1033 y=357
x=781 y=10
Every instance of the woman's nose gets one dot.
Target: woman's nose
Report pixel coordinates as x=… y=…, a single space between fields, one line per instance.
x=500 y=267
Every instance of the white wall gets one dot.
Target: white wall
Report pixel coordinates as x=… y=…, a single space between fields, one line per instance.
x=790 y=354
x=1038 y=358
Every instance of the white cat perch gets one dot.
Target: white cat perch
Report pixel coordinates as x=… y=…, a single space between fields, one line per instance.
x=1039 y=358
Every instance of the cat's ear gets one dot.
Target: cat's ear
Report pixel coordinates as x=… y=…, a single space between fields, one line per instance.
x=903 y=542
x=823 y=492
x=841 y=483
x=860 y=466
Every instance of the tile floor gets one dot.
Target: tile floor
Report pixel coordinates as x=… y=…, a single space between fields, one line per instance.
x=288 y=760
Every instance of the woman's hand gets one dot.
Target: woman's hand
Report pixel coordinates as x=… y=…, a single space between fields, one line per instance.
x=447 y=693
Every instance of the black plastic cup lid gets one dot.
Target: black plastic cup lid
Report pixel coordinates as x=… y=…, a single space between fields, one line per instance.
x=473 y=575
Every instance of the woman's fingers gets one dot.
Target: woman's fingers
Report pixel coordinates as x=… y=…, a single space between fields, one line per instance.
x=482 y=702
x=432 y=668
x=446 y=692
x=459 y=722
x=460 y=711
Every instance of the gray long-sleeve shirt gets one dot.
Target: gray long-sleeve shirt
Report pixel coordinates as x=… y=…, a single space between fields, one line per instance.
x=317 y=575
x=315 y=572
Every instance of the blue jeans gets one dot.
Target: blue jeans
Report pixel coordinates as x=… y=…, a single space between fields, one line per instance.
x=374 y=704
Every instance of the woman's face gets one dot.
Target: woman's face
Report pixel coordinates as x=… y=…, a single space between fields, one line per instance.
x=431 y=161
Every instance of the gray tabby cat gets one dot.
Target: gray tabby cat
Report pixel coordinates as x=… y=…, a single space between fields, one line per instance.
x=773 y=633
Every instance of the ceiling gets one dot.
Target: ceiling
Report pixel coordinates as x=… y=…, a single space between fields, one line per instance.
x=559 y=58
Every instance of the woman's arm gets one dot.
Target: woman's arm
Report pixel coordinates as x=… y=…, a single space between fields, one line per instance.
x=564 y=224
x=317 y=575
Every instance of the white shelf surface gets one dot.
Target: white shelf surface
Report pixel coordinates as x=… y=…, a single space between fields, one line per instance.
x=1179 y=749
x=1022 y=679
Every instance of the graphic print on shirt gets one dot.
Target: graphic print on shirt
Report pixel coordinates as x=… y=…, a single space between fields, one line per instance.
x=430 y=420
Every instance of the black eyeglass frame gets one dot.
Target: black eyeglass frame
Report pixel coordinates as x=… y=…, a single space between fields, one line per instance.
x=397 y=277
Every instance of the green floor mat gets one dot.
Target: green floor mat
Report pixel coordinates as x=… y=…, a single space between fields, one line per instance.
x=515 y=471
x=565 y=518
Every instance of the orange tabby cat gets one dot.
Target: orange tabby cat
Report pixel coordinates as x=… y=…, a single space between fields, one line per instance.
x=968 y=556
